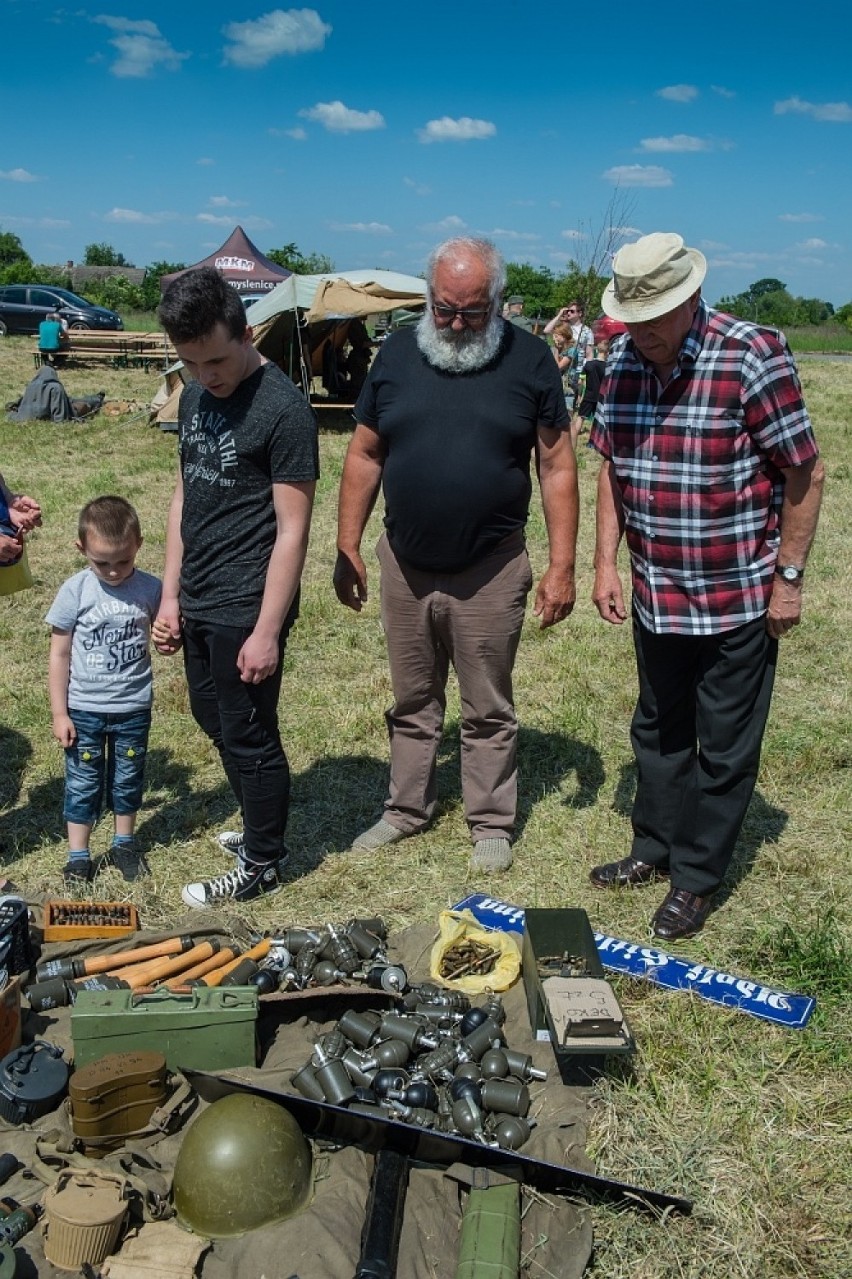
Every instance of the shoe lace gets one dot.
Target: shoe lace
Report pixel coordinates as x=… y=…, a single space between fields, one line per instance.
x=226 y=884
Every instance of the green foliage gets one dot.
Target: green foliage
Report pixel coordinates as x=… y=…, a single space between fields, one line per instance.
x=769 y=302
x=544 y=293
x=11 y=249
x=104 y=254
x=291 y=257
x=117 y=293
x=843 y=315
x=151 y=283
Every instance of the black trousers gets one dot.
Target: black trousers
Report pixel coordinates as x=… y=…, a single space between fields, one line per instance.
x=242 y=722
x=697 y=732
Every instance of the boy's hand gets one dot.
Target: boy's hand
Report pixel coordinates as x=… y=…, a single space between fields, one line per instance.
x=166 y=640
x=64 y=730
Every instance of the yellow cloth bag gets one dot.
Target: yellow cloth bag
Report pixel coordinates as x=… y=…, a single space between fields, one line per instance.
x=17 y=576
x=458 y=926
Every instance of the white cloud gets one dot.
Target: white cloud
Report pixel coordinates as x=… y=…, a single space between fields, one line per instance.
x=9 y=220
x=722 y=91
x=258 y=41
x=684 y=142
x=366 y=228
x=225 y=202
x=141 y=48
x=814 y=243
x=835 y=112
x=678 y=93
x=338 y=118
x=248 y=224
x=715 y=246
x=450 y=223
x=18 y=175
x=137 y=216
x=417 y=187
x=570 y=234
x=501 y=233
x=639 y=175
x=800 y=217
x=298 y=134
x=464 y=129
x=205 y=159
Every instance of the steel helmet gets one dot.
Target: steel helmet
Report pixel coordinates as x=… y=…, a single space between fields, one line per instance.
x=244 y=1163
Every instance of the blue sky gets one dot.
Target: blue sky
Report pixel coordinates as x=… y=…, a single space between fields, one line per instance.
x=369 y=132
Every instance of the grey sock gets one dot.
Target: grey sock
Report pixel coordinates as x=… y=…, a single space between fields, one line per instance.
x=492 y=854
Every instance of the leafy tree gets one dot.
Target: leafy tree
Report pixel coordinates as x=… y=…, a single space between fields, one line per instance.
x=292 y=259
x=843 y=315
x=760 y=288
x=104 y=255
x=535 y=286
x=151 y=284
x=11 y=249
x=117 y=293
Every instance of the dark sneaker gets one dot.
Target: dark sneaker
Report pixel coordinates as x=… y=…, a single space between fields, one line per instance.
x=233 y=841
x=242 y=884
x=78 y=870
x=129 y=861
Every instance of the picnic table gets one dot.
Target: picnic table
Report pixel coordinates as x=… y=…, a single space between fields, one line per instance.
x=121 y=348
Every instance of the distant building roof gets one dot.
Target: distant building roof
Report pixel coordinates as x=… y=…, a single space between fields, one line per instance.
x=83 y=275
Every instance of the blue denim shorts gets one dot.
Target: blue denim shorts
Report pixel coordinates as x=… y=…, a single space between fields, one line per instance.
x=106 y=762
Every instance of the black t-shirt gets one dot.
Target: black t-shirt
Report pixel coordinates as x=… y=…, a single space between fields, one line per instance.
x=456 y=476
x=232 y=451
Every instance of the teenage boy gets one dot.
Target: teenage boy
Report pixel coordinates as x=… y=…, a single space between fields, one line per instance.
x=235 y=546
x=101 y=683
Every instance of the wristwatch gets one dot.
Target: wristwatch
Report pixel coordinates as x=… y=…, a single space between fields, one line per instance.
x=790 y=572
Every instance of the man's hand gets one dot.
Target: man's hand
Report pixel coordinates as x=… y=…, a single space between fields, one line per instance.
x=64 y=730
x=608 y=596
x=257 y=659
x=785 y=608
x=25 y=512
x=166 y=629
x=10 y=548
x=554 y=596
x=350 y=580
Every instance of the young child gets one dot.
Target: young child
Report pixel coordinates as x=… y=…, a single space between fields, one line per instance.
x=101 y=683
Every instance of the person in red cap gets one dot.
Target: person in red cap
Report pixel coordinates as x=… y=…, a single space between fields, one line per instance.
x=712 y=474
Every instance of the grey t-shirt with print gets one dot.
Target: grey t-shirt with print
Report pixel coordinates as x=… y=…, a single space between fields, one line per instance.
x=232 y=450
x=110 y=640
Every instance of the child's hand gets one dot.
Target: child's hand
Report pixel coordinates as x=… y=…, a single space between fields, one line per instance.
x=165 y=640
x=64 y=730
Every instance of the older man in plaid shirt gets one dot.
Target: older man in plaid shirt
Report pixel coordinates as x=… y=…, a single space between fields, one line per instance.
x=712 y=473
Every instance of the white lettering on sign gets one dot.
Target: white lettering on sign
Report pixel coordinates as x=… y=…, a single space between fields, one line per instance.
x=234 y=264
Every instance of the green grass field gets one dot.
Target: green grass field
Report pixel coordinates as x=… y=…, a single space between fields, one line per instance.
x=750 y=1121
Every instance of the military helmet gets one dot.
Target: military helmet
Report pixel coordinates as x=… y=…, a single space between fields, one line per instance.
x=243 y=1163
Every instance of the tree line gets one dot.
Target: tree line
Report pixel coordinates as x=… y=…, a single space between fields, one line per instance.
x=767 y=301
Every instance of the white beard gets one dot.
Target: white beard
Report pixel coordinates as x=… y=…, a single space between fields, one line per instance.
x=462 y=352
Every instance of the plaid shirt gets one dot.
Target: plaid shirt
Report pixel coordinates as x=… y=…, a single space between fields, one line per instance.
x=698 y=464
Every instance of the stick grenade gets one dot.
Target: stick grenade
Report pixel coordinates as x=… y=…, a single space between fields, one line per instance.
x=68 y=969
x=256 y=952
x=157 y=969
x=224 y=956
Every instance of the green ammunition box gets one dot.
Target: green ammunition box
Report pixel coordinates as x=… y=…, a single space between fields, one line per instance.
x=570 y=1001
x=206 y=1029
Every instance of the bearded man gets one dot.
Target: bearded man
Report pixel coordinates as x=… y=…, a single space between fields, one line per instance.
x=448 y=420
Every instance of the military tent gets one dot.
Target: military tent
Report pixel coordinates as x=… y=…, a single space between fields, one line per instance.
x=305 y=323
x=241 y=263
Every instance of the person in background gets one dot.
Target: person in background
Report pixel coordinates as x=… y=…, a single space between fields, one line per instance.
x=605 y=332
x=513 y=311
x=101 y=684
x=236 y=541
x=712 y=473
x=52 y=338
x=19 y=515
x=449 y=420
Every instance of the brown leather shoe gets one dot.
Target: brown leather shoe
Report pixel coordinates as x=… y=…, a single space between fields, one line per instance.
x=681 y=914
x=628 y=873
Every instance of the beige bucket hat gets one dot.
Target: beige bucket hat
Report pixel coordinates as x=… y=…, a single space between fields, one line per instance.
x=651 y=277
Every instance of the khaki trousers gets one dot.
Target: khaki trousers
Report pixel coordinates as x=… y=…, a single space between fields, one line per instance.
x=472 y=619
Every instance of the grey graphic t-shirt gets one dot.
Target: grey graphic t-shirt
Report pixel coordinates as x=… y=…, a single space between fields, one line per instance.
x=232 y=451
x=110 y=632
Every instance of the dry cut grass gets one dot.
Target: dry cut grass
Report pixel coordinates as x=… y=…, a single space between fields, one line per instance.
x=750 y=1121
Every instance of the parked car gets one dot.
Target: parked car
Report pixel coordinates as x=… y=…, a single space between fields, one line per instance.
x=24 y=306
x=249 y=299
